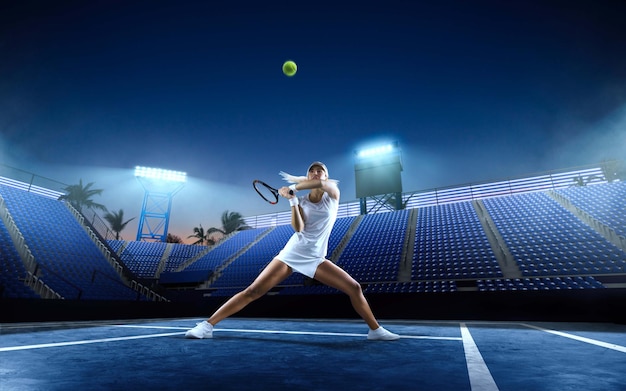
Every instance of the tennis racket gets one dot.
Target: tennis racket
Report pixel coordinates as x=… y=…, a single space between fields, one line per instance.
x=267 y=192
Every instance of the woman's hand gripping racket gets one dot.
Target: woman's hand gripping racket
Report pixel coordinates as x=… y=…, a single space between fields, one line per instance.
x=267 y=192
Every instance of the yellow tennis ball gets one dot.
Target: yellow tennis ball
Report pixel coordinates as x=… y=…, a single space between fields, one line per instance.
x=290 y=68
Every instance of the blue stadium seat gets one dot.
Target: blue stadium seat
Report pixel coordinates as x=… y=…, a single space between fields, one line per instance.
x=69 y=261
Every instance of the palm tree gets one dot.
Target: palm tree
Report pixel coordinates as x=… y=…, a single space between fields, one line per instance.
x=79 y=196
x=198 y=232
x=171 y=238
x=232 y=221
x=117 y=223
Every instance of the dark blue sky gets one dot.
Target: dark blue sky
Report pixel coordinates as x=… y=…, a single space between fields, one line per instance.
x=471 y=90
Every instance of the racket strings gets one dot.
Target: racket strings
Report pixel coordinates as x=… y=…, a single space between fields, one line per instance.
x=266 y=192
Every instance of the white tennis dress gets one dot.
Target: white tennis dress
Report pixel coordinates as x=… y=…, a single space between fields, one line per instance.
x=307 y=249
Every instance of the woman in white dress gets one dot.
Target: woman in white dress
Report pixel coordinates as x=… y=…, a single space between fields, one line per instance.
x=312 y=217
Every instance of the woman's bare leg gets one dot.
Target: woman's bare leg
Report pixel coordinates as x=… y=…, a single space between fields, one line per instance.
x=274 y=273
x=332 y=275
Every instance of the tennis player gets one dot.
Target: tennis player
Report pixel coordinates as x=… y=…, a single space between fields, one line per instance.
x=312 y=217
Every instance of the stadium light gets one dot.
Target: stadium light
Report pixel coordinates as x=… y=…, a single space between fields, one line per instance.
x=160 y=186
x=377 y=175
x=160 y=174
x=376 y=151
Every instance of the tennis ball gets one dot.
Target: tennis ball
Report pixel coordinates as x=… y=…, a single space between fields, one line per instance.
x=290 y=68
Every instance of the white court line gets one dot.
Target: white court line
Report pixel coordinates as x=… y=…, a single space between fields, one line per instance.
x=300 y=332
x=84 y=342
x=607 y=345
x=479 y=375
x=132 y=326
x=91 y=341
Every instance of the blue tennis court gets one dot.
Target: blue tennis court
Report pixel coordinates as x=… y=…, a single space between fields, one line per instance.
x=288 y=354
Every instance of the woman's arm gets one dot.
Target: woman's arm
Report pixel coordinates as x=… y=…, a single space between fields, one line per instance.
x=329 y=187
x=297 y=221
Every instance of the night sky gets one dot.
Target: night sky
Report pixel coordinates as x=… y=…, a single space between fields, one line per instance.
x=471 y=90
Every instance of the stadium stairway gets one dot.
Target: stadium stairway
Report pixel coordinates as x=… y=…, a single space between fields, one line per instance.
x=609 y=233
x=406 y=258
x=505 y=259
x=227 y=262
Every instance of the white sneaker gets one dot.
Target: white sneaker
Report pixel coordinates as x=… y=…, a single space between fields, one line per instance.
x=202 y=330
x=381 y=334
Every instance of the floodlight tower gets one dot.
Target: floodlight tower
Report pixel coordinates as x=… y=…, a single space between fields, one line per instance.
x=377 y=176
x=160 y=186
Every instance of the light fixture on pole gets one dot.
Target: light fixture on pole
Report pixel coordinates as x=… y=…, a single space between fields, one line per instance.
x=160 y=186
x=377 y=175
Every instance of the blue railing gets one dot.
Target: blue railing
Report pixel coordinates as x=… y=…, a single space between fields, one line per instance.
x=419 y=199
x=556 y=179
